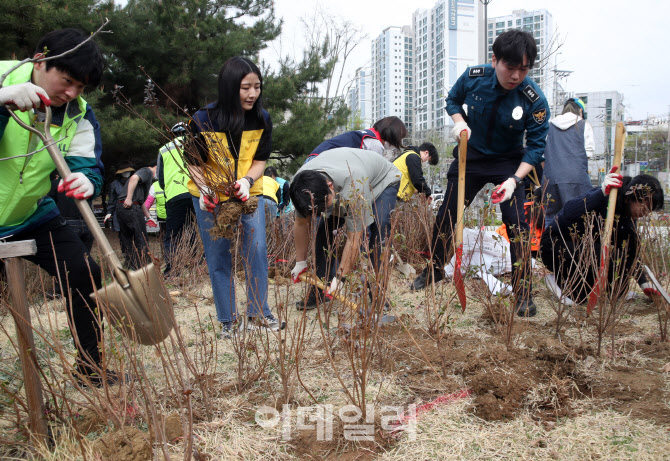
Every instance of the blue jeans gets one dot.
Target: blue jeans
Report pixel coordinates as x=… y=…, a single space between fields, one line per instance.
x=254 y=257
x=270 y=209
x=380 y=229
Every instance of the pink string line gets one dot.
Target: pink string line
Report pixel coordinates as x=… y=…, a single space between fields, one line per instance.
x=441 y=400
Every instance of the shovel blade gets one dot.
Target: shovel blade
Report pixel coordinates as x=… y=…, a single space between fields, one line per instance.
x=143 y=310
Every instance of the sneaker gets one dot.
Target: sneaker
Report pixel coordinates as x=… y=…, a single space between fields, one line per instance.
x=310 y=302
x=525 y=307
x=269 y=322
x=422 y=280
x=228 y=330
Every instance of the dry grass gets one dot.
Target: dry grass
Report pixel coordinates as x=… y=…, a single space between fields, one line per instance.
x=223 y=420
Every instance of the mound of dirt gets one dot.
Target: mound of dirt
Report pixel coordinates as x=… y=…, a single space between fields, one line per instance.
x=173 y=427
x=126 y=444
x=88 y=421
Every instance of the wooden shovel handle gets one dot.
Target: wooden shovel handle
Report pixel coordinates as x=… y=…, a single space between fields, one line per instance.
x=313 y=280
x=609 y=222
x=462 y=156
x=458 y=240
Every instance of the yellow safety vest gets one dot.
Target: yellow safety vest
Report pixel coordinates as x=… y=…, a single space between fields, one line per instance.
x=28 y=176
x=406 y=189
x=270 y=187
x=220 y=157
x=175 y=173
x=160 y=201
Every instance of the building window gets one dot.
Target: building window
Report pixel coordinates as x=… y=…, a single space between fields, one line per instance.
x=518 y=22
x=509 y=23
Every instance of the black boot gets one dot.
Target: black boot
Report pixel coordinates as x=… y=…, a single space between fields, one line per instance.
x=525 y=307
x=310 y=302
x=425 y=277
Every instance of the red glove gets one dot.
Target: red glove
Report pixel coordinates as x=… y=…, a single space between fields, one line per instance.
x=77 y=185
x=612 y=180
x=208 y=199
x=300 y=268
x=649 y=290
x=151 y=223
x=242 y=187
x=504 y=191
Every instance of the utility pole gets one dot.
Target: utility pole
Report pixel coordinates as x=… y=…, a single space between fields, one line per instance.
x=558 y=74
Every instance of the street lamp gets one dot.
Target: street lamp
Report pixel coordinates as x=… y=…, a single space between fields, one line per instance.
x=486 y=27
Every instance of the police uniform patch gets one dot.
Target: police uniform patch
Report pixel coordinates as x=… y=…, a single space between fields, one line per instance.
x=540 y=116
x=531 y=94
x=476 y=72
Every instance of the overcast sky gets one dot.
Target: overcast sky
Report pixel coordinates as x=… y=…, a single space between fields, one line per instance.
x=617 y=45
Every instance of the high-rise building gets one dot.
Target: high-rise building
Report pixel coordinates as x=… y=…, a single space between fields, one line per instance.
x=392 y=68
x=446 y=39
x=359 y=100
x=541 y=24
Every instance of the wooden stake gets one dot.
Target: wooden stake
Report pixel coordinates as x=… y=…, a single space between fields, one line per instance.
x=26 y=342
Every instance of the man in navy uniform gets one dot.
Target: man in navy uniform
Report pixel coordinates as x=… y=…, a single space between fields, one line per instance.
x=496 y=104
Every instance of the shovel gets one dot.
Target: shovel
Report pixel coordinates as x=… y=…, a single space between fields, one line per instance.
x=659 y=287
x=458 y=241
x=137 y=300
x=601 y=279
x=312 y=280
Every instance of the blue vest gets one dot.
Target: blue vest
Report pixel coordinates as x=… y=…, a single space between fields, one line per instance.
x=565 y=159
x=349 y=139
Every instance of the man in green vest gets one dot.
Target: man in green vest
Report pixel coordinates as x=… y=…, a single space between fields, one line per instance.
x=409 y=164
x=173 y=178
x=25 y=166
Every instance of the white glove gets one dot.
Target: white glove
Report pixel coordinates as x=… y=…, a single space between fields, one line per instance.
x=504 y=191
x=242 y=187
x=335 y=284
x=456 y=131
x=613 y=179
x=25 y=96
x=300 y=267
x=108 y=216
x=76 y=185
x=208 y=199
x=151 y=222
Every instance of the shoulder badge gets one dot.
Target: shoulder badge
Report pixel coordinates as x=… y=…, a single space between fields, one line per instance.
x=476 y=71
x=540 y=116
x=531 y=94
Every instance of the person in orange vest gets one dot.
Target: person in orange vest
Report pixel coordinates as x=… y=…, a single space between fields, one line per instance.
x=534 y=211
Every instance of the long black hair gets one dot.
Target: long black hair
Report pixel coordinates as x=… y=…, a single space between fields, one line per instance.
x=228 y=112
